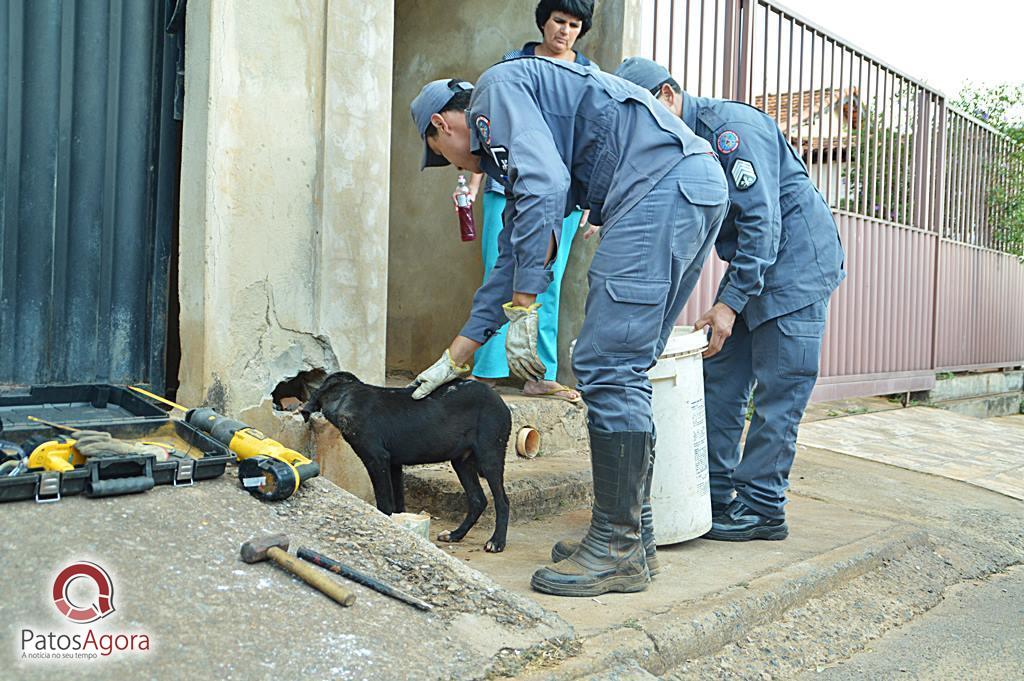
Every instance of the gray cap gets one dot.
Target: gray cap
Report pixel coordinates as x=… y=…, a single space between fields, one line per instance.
x=431 y=99
x=644 y=72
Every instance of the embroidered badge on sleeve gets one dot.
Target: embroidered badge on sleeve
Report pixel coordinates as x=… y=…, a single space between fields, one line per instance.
x=483 y=129
x=743 y=174
x=728 y=142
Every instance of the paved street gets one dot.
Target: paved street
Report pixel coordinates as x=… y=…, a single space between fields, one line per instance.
x=977 y=632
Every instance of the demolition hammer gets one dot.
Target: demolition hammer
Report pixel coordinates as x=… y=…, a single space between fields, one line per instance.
x=267 y=469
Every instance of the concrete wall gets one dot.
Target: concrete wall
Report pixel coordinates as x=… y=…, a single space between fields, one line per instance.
x=287 y=260
x=432 y=274
x=284 y=215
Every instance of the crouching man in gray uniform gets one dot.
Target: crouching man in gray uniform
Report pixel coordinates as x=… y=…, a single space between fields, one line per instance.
x=785 y=259
x=558 y=135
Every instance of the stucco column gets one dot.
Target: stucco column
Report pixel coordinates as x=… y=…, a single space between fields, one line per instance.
x=284 y=212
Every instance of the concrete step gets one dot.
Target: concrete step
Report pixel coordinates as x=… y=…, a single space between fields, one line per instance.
x=870 y=546
x=536 y=488
x=562 y=425
x=963 y=386
x=985 y=406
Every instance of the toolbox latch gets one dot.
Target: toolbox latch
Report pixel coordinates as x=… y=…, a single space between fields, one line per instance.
x=184 y=475
x=48 y=487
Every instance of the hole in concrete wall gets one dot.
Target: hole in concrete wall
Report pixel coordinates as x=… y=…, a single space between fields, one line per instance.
x=290 y=394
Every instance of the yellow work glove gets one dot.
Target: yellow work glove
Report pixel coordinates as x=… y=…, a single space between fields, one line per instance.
x=440 y=372
x=521 y=342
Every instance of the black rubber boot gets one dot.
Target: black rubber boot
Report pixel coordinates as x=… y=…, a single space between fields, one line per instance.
x=611 y=555
x=566 y=547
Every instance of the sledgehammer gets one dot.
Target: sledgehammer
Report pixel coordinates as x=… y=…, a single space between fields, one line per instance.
x=275 y=547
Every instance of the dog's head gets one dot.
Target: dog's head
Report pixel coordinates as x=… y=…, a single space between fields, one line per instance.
x=333 y=386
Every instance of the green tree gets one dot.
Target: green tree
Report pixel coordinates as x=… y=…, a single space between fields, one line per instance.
x=1002 y=107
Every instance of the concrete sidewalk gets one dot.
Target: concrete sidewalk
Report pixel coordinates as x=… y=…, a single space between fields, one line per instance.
x=173 y=556
x=988 y=453
x=850 y=519
x=871 y=546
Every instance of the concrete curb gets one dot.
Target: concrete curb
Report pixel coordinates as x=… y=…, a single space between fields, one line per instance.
x=984 y=406
x=687 y=631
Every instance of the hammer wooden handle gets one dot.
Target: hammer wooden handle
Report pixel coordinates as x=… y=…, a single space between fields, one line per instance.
x=310 y=575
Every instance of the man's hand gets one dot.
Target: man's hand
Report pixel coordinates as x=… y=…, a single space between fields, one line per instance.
x=474 y=188
x=590 y=230
x=440 y=372
x=521 y=341
x=720 y=318
x=471 y=196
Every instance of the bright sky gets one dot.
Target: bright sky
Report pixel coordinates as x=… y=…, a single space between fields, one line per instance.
x=940 y=42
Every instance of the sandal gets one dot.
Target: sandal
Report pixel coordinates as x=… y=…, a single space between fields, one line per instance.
x=560 y=392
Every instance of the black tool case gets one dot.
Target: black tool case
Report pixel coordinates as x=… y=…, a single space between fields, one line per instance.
x=121 y=413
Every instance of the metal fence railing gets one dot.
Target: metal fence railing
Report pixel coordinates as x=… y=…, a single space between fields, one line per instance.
x=696 y=40
x=984 y=172
x=877 y=142
x=921 y=191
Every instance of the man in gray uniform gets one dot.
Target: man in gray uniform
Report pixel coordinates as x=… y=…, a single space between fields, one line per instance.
x=785 y=259
x=558 y=135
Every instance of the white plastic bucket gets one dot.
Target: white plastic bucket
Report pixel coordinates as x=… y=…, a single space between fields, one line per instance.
x=680 y=491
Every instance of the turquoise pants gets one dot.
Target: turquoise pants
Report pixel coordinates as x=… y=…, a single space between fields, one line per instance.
x=490 y=360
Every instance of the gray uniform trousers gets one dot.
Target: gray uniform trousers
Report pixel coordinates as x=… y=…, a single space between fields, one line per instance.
x=645 y=268
x=781 y=357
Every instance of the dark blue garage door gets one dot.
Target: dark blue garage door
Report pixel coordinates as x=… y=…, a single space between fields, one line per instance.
x=89 y=185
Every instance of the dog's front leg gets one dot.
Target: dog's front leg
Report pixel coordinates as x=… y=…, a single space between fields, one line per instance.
x=379 y=470
x=397 y=487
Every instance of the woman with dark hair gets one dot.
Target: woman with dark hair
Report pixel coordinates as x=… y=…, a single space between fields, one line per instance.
x=561 y=24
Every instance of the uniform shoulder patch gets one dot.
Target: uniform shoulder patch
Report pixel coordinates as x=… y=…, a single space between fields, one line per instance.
x=483 y=129
x=728 y=142
x=743 y=174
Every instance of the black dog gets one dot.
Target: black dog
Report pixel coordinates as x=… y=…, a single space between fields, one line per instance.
x=464 y=422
